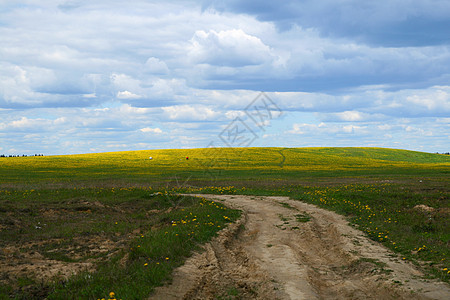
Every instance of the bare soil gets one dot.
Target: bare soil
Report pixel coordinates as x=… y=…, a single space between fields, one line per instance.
x=27 y=260
x=285 y=249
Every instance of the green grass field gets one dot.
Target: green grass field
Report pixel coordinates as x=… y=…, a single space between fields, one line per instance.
x=114 y=213
x=219 y=164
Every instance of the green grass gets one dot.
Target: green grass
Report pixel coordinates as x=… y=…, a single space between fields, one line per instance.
x=114 y=209
x=302 y=218
x=169 y=167
x=389 y=214
x=150 y=234
x=152 y=256
x=287 y=205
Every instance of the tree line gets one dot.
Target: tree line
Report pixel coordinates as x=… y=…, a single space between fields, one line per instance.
x=23 y=155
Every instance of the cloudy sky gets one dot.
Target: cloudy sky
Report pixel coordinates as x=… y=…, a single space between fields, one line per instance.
x=93 y=76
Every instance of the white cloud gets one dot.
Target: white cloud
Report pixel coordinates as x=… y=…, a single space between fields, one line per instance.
x=350 y=116
x=129 y=111
x=156 y=66
x=190 y=113
x=234 y=114
x=60 y=121
x=127 y=95
x=384 y=127
x=435 y=98
x=324 y=128
x=25 y=124
x=125 y=82
x=91 y=95
x=151 y=130
x=443 y=120
x=233 y=48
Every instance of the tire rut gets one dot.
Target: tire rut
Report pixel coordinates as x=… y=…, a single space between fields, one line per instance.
x=285 y=249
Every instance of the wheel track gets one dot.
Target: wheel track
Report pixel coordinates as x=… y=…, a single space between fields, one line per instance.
x=267 y=254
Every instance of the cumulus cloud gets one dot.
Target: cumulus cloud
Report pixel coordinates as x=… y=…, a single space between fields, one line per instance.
x=151 y=130
x=190 y=113
x=323 y=128
x=156 y=66
x=127 y=95
x=233 y=48
x=348 y=116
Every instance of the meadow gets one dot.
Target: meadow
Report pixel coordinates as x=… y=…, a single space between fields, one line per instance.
x=116 y=220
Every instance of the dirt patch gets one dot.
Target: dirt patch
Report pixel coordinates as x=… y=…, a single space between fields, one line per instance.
x=424 y=208
x=272 y=253
x=32 y=261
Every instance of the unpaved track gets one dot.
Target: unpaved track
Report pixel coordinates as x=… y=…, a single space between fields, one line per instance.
x=269 y=254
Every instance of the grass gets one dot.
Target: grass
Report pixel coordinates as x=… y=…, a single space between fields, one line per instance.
x=111 y=211
x=374 y=265
x=142 y=236
x=153 y=255
x=169 y=167
x=390 y=214
x=303 y=218
x=287 y=205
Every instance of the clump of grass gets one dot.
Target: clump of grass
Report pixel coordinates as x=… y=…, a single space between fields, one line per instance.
x=302 y=218
x=283 y=218
x=373 y=266
x=287 y=205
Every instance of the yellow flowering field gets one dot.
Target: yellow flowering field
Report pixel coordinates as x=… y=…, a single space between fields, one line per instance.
x=136 y=167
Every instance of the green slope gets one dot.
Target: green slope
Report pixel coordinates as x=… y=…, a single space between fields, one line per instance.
x=223 y=164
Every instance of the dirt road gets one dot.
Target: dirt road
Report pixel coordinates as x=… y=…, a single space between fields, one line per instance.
x=285 y=249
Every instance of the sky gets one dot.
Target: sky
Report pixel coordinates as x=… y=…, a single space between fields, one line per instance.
x=110 y=75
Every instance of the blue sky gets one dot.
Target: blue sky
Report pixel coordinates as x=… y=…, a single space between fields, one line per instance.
x=95 y=76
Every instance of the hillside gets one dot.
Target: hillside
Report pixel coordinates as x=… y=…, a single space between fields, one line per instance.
x=135 y=167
